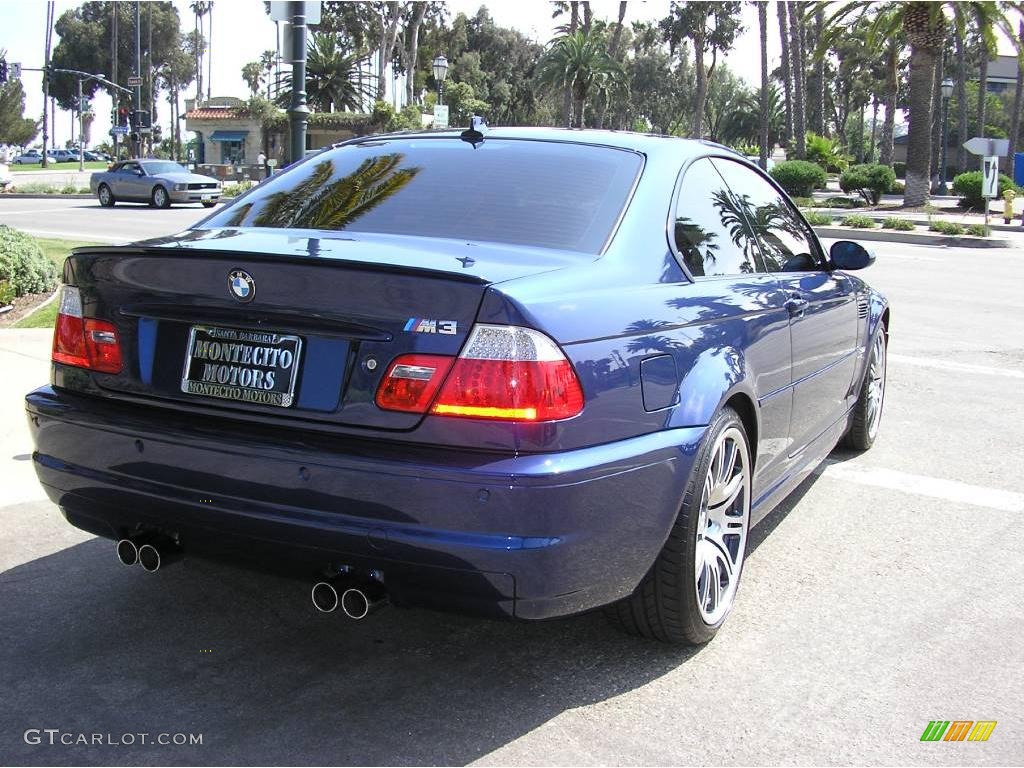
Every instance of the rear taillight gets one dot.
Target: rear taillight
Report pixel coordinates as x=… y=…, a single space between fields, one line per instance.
x=411 y=381
x=511 y=373
x=82 y=341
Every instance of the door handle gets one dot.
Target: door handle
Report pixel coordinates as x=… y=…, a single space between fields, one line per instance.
x=796 y=304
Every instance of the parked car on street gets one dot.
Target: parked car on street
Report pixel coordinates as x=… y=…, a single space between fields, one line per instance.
x=28 y=158
x=62 y=155
x=522 y=373
x=157 y=182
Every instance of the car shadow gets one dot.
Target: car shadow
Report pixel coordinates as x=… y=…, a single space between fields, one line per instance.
x=92 y=647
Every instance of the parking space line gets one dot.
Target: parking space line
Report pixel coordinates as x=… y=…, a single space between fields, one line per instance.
x=949 y=365
x=922 y=485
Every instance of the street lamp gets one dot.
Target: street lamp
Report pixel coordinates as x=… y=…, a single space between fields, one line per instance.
x=947 y=91
x=82 y=77
x=440 y=73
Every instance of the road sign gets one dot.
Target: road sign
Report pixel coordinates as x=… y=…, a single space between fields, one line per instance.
x=990 y=176
x=440 y=115
x=134 y=81
x=980 y=145
x=280 y=10
x=120 y=130
x=15 y=73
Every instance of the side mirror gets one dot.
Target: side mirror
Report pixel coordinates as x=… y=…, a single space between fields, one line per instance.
x=846 y=254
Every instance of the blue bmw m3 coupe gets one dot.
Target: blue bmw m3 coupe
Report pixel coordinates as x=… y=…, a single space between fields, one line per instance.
x=519 y=372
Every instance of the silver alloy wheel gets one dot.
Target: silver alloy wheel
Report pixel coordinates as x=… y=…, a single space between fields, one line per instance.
x=876 y=384
x=722 y=526
x=104 y=195
x=160 y=197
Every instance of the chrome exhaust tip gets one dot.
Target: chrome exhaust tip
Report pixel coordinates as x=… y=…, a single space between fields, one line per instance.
x=325 y=597
x=127 y=552
x=357 y=604
x=154 y=556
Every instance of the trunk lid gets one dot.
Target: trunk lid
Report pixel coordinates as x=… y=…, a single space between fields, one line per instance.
x=205 y=316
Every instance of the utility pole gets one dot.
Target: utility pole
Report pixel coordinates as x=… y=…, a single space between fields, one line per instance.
x=81 y=130
x=46 y=80
x=138 y=76
x=298 y=112
x=116 y=100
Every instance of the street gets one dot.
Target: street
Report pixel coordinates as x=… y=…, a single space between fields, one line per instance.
x=86 y=219
x=888 y=591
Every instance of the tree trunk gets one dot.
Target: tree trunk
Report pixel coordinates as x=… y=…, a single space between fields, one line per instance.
x=700 y=93
x=580 y=107
x=787 y=81
x=818 y=124
x=387 y=48
x=762 y=24
x=209 y=58
x=574 y=23
x=797 y=54
x=936 y=156
x=961 y=104
x=1018 y=98
x=613 y=49
x=874 y=128
x=588 y=15
x=919 y=140
x=413 y=33
x=982 y=89
x=891 y=91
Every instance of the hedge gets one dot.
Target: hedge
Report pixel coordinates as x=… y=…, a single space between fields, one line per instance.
x=968 y=186
x=23 y=265
x=798 y=177
x=869 y=180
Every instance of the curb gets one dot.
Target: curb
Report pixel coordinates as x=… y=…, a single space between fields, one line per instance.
x=910 y=238
x=43 y=196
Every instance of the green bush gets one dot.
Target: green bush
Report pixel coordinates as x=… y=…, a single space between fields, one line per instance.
x=843 y=202
x=828 y=153
x=900 y=169
x=23 y=265
x=6 y=293
x=35 y=188
x=894 y=222
x=968 y=187
x=237 y=188
x=870 y=181
x=859 y=221
x=798 y=177
x=816 y=219
x=803 y=202
x=898 y=188
x=978 y=230
x=946 y=227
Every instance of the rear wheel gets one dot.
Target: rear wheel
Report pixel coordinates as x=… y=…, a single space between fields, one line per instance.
x=688 y=593
x=105 y=196
x=867 y=413
x=160 y=198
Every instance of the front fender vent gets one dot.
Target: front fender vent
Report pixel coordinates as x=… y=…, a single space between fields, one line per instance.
x=862 y=307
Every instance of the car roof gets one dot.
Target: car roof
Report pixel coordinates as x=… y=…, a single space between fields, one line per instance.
x=649 y=144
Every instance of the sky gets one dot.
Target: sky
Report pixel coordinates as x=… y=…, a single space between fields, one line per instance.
x=241 y=31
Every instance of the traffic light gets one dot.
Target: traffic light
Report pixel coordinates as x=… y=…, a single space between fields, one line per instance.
x=3 y=71
x=122 y=115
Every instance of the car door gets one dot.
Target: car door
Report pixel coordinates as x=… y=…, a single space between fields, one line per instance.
x=743 y=314
x=131 y=182
x=822 y=303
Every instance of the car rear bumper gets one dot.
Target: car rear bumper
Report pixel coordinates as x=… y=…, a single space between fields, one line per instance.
x=532 y=536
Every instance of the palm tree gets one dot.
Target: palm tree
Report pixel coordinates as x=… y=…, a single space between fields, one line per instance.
x=1018 y=97
x=209 y=57
x=579 y=62
x=332 y=76
x=924 y=26
x=567 y=29
x=252 y=74
x=787 y=81
x=762 y=25
x=267 y=61
x=199 y=8
x=796 y=32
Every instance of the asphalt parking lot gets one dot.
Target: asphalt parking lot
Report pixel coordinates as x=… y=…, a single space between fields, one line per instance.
x=887 y=592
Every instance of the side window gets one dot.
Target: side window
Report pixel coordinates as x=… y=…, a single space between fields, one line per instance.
x=710 y=232
x=786 y=243
x=129 y=168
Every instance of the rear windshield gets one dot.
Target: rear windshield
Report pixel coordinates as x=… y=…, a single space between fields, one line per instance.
x=534 y=193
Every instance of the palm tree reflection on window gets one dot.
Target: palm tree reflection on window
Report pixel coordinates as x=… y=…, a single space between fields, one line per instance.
x=696 y=244
x=750 y=224
x=319 y=203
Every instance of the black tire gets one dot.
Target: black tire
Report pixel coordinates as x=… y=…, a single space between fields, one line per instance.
x=208 y=205
x=865 y=419
x=105 y=196
x=664 y=606
x=160 y=198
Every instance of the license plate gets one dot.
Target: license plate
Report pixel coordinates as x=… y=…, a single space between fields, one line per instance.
x=207 y=198
x=258 y=367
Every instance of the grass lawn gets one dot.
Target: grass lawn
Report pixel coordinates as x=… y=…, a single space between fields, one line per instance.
x=56 y=251
x=99 y=165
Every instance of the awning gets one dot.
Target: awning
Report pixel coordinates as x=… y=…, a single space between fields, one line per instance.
x=228 y=135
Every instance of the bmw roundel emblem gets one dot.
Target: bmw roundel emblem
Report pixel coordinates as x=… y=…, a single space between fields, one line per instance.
x=242 y=286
